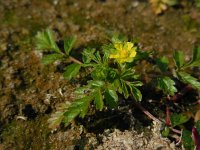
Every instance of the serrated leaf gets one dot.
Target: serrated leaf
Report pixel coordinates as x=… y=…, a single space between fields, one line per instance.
x=98 y=100
x=178 y=119
x=196 y=57
x=167 y=85
x=107 y=49
x=188 y=79
x=99 y=73
x=112 y=75
x=96 y=83
x=162 y=63
x=105 y=57
x=118 y=86
x=88 y=55
x=48 y=59
x=69 y=43
x=195 y=62
x=178 y=58
x=97 y=57
x=55 y=119
x=69 y=116
x=46 y=41
x=71 y=71
x=128 y=74
x=84 y=110
x=136 y=83
x=124 y=89
x=136 y=93
x=111 y=98
x=78 y=107
x=187 y=140
x=82 y=90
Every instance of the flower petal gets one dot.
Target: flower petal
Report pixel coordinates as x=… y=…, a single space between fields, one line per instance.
x=129 y=45
x=118 y=46
x=133 y=53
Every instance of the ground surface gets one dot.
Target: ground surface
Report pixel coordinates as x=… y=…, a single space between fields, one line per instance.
x=29 y=91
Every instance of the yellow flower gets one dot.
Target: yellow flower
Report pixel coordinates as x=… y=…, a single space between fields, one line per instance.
x=125 y=52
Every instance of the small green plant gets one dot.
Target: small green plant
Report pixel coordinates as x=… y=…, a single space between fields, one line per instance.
x=166 y=80
x=111 y=72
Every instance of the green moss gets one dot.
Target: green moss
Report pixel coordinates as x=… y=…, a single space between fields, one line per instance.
x=27 y=134
x=10 y=17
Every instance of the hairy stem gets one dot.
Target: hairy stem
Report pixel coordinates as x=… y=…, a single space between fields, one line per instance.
x=75 y=60
x=146 y=112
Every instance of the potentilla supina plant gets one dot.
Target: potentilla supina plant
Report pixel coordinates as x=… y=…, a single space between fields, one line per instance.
x=124 y=52
x=105 y=80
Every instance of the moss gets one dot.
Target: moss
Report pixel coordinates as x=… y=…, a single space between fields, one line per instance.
x=27 y=134
x=10 y=17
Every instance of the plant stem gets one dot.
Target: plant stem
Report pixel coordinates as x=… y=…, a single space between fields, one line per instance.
x=146 y=112
x=180 y=94
x=176 y=131
x=75 y=60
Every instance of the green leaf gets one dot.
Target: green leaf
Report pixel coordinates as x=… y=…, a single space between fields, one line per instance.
x=136 y=93
x=98 y=100
x=170 y=2
x=78 y=107
x=69 y=43
x=57 y=117
x=112 y=75
x=71 y=71
x=116 y=38
x=143 y=55
x=96 y=83
x=48 y=59
x=105 y=58
x=128 y=74
x=117 y=84
x=107 y=49
x=188 y=79
x=88 y=55
x=124 y=89
x=46 y=41
x=162 y=63
x=136 y=83
x=84 y=108
x=196 y=57
x=178 y=119
x=197 y=125
x=69 y=116
x=97 y=57
x=81 y=90
x=167 y=85
x=187 y=140
x=99 y=73
x=178 y=58
x=165 y=132
x=195 y=62
x=111 y=98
